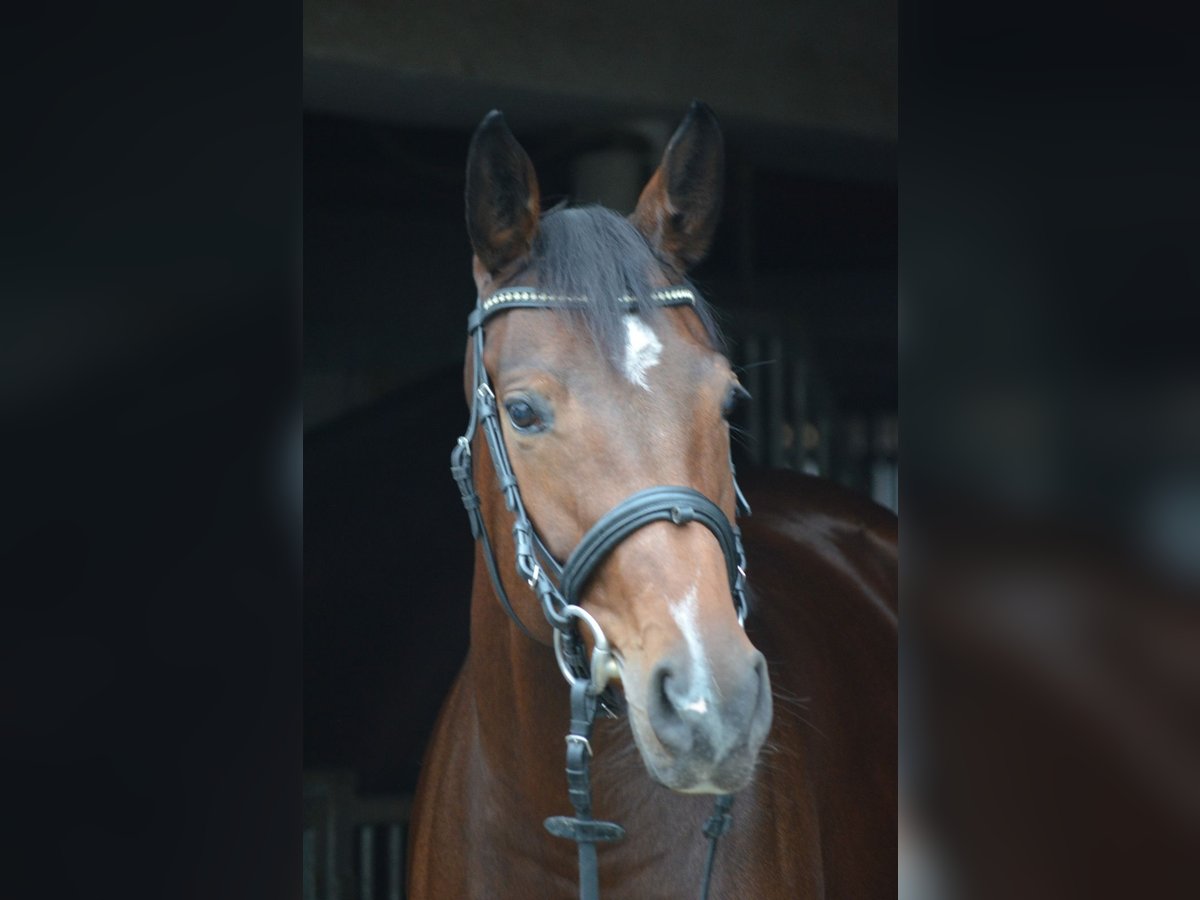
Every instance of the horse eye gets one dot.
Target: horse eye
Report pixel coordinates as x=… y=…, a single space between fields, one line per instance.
x=737 y=397
x=523 y=416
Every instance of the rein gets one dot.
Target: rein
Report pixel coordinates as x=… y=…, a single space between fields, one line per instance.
x=558 y=588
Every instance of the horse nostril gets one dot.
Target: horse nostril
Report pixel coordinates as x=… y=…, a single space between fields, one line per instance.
x=663 y=694
x=663 y=709
x=669 y=688
x=674 y=689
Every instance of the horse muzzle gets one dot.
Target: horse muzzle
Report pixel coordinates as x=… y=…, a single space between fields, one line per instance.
x=701 y=732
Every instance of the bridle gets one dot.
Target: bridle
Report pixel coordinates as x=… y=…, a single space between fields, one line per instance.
x=558 y=588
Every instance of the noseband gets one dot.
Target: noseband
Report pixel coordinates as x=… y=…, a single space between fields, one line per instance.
x=559 y=587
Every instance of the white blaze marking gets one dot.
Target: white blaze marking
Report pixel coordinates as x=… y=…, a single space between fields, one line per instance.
x=684 y=614
x=642 y=350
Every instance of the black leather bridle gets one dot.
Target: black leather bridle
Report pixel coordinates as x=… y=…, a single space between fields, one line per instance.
x=559 y=588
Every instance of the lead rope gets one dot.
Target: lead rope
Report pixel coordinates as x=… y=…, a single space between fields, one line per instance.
x=583 y=829
x=587 y=831
x=718 y=823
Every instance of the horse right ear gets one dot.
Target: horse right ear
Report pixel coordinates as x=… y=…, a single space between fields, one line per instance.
x=503 y=202
x=678 y=209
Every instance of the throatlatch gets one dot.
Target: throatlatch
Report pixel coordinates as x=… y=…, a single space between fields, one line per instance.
x=558 y=587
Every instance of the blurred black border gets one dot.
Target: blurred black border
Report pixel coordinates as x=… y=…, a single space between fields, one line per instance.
x=150 y=413
x=1049 y=308
x=150 y=283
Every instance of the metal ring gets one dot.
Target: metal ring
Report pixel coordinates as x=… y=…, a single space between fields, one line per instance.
x=578 y=612
x=603 y=667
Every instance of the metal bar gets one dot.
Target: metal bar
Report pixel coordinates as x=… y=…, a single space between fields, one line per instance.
x=775 y=376
x=395 y=858
x=883 y=483
x=745 y=219
x=752 y=367
x=310 y=864
x=799 y=411
x=366 y=862
x=825 y=442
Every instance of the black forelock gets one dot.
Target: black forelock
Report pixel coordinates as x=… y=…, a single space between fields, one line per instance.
x=592 y=252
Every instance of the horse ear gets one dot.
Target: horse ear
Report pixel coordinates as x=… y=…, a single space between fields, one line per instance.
x=679 y=207
x=503 y=202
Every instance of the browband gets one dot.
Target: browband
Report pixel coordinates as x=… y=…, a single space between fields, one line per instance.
x=532 y=298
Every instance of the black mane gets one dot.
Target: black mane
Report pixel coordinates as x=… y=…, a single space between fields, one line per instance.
x=591 y=251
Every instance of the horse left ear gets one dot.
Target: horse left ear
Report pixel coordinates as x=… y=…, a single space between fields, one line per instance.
x=503 y=202
x=680 y=205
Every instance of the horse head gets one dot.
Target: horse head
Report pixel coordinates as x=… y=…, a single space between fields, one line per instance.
x=608 y=394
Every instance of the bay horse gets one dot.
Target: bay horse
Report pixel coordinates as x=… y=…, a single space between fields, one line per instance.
x=598 y=435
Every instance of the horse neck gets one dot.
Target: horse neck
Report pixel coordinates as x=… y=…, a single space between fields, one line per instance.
x=520 y=699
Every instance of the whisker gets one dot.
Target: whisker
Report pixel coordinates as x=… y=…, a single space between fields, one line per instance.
x=760 y=363
x=739 y=430
x=799 y=718
x=742 y=436
x=792 y=705
x=781 y=693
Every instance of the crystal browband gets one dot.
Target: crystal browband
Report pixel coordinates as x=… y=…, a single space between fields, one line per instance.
x=530 y=298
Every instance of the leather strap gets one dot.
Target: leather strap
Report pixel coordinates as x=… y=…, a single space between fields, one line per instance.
x=680 y=505
x=582 y=828
x=718 y=823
